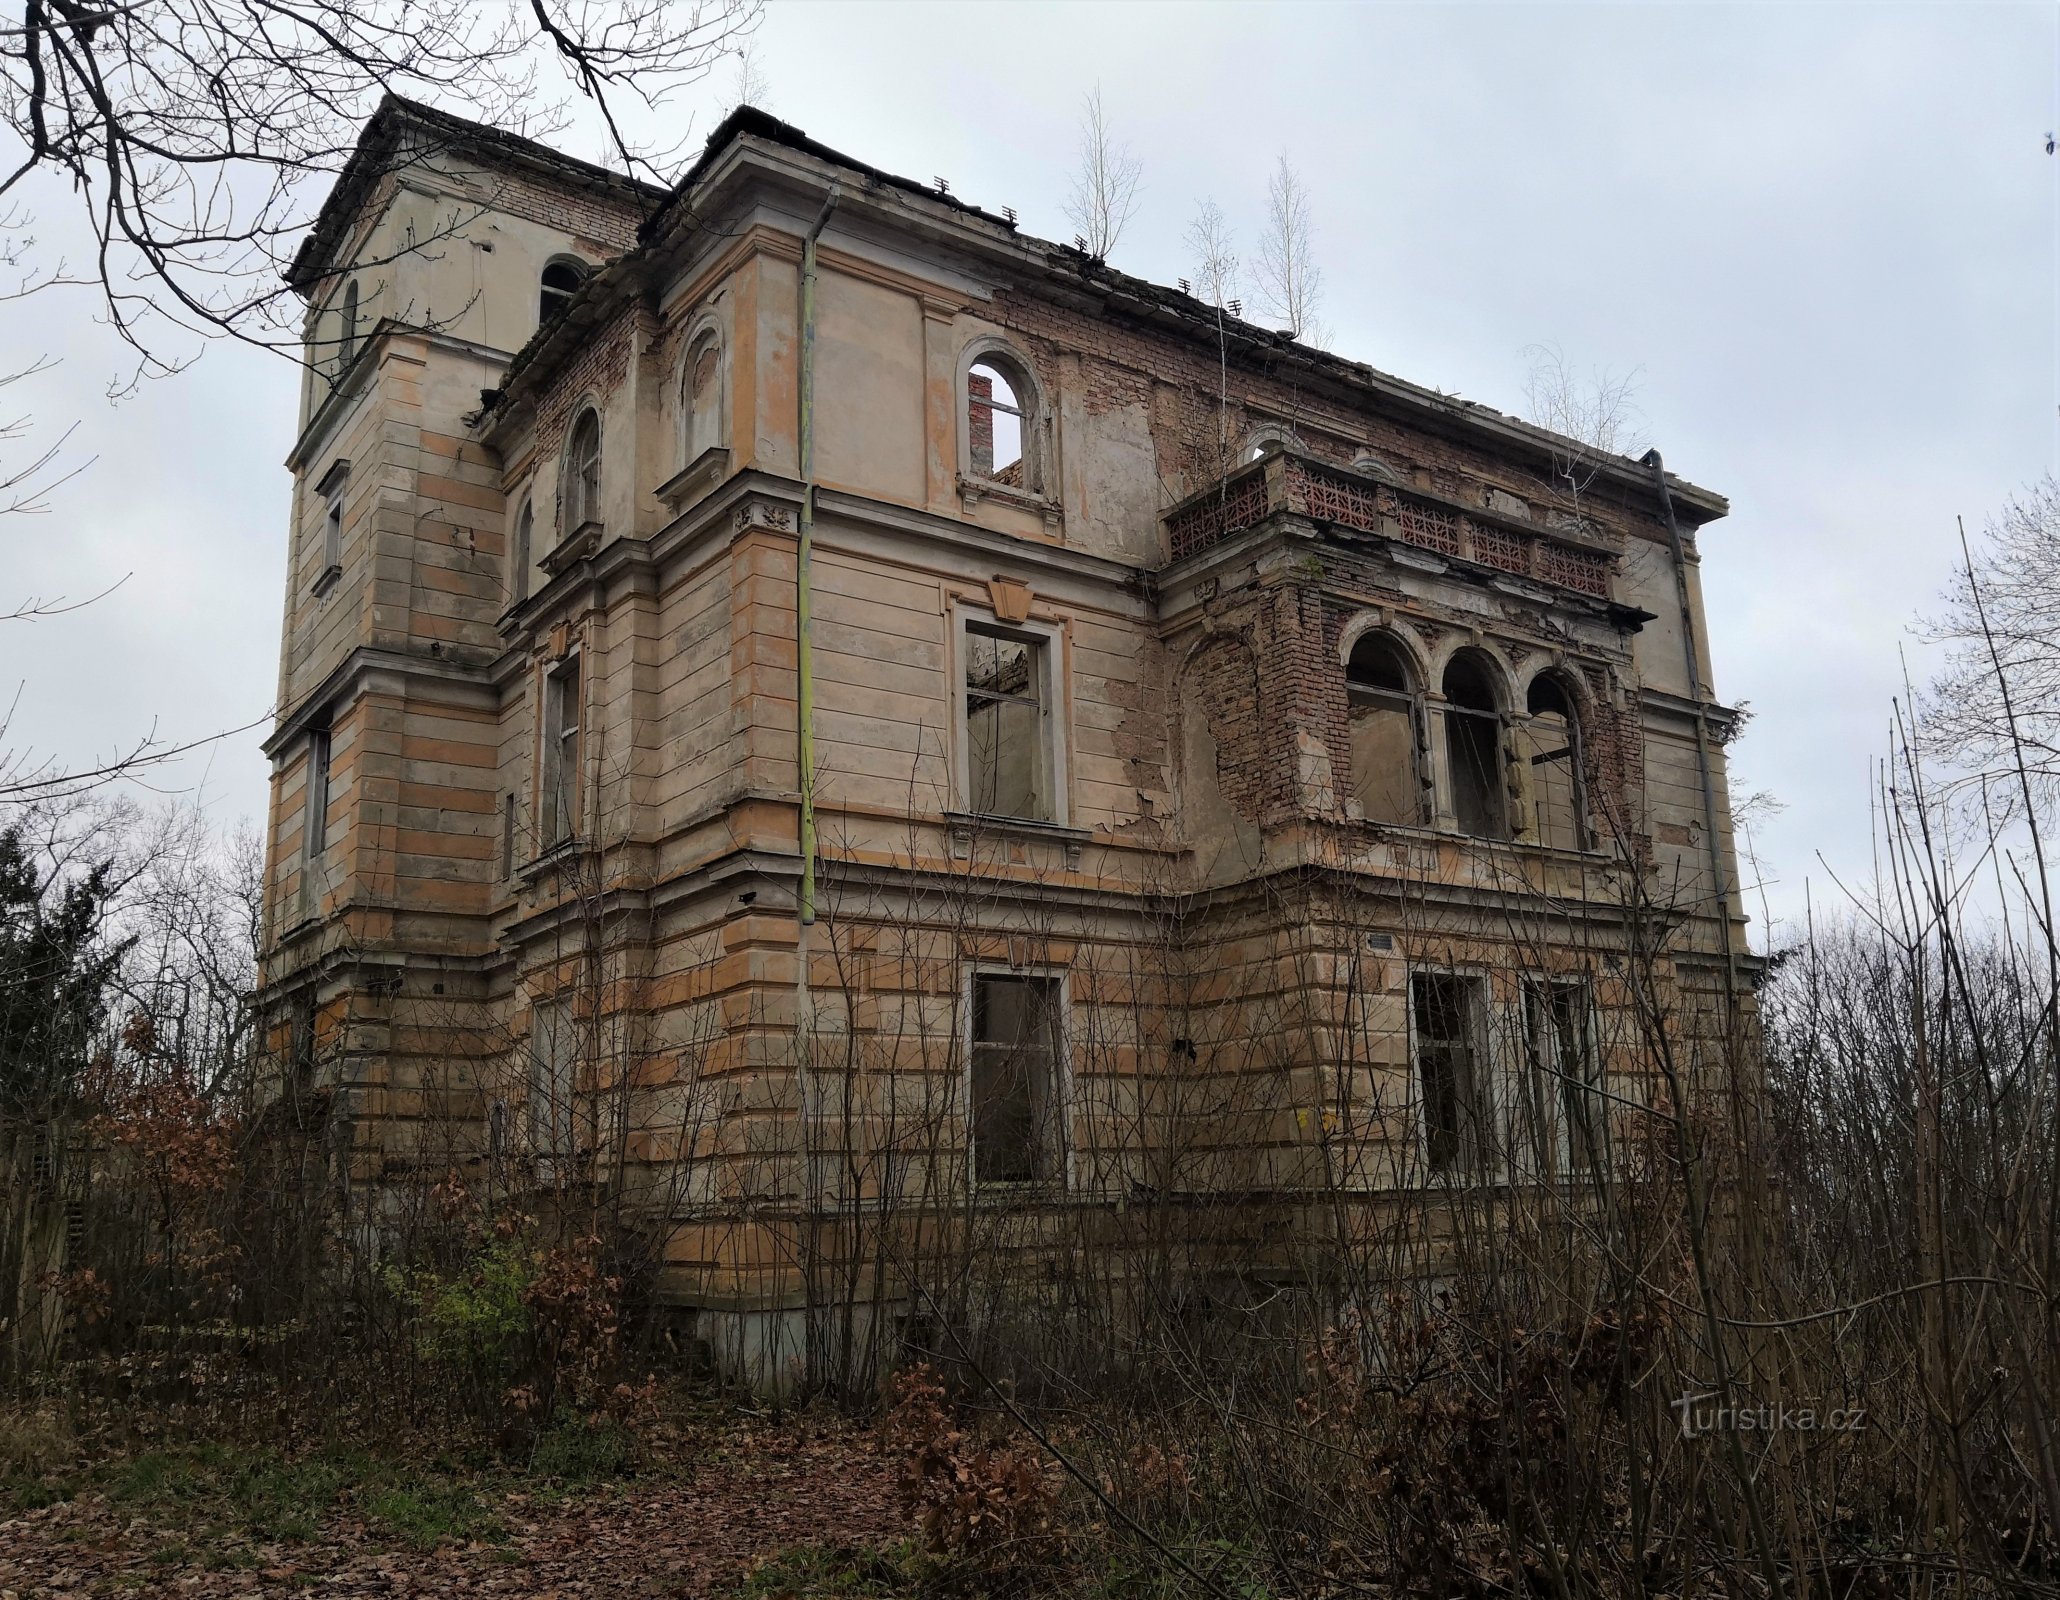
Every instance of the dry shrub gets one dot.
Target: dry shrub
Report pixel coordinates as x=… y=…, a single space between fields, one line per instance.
x=980 y=1499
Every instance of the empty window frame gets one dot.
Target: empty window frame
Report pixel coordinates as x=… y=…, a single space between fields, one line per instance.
x=1446 y=1015
x=1017 y=1084
x=331 y=488
x=520 y=545
x=701 y=396
x=301 y=1042
x=1001 y=423
x=1569 y=1114
x=314 y=827
x=553 y=1079
x=1010 y=764
x=1476 y=765
x=1549 y=750
x=560 y=753
x=1386 y=728
x=332 y=530
x=559 y=283
x=583 y=472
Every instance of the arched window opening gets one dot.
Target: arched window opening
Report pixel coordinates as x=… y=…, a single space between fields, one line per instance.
x=1549 y=756
x=1372 y=466
x=997 y=424
x=347 y=332
x=702 y=396
x=519 y=555
x=583 y=472
x=1382 y=707
x=1268 y=439
x=1473 y=749
x=560 y=282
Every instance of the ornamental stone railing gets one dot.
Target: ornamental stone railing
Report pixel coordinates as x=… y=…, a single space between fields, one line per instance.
x=1284 y=482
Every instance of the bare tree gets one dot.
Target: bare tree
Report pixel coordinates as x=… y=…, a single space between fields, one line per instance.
x=1594 y=413
x=1105 y=186
x=1995 y=706
x=750 y=87
x=192 y=138
x=1289 y=280
x=1214 y=248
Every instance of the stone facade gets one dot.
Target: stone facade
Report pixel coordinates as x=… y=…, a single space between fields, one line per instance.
x=1081 y=736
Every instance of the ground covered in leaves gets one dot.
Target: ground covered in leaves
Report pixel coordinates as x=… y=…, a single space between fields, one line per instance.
x=738 y=1504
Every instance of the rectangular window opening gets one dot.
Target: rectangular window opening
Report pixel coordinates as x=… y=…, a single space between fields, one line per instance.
x=1018 y=1121
x=561 y=754
x=1451 y=1068
x=315 y=820
x=553 y=1064
x=1559 y=1038
x=1009 y=765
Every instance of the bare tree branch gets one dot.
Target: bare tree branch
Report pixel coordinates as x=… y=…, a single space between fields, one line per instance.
x=194 y=138
x=1210 y=242
x=1105 y=186
x=1290 y=282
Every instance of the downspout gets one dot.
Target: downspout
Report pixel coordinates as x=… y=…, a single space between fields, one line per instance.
x=804 y=754
x=1692 y=658
x=804 y=593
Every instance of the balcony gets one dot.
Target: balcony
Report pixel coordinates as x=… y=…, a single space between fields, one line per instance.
x=1580 y=560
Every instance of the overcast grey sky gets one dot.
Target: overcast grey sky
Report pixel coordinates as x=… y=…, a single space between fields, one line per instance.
x=1825 y=235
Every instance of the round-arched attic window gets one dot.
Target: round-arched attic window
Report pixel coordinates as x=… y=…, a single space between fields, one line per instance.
x=560 y=282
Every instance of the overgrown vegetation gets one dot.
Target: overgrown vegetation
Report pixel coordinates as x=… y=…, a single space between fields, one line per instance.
x=1783 y=1324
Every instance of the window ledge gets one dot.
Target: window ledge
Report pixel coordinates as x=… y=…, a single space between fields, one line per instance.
x=326 y=580
x=1426 y=833
x=965 y=825
x=704 y=472
x=999 y=1193
x=552 y=856
x=574 y=548
x=973 y=490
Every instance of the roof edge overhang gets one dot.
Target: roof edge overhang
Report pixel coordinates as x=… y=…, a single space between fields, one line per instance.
x=398 y=134
x=750 y=143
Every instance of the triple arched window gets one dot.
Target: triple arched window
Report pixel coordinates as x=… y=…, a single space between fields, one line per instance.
x=1477 y=765
x=1386 y=715
x=1549 y=757
x=1501 y=773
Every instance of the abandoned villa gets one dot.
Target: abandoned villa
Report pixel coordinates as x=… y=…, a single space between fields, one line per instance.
x=800 y=701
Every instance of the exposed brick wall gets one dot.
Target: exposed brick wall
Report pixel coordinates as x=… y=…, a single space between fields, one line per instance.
x=1613 y=758
x=598 y=369
x=1225 y=680
x=597 y=219
x=1198 y=415
x=980 y=423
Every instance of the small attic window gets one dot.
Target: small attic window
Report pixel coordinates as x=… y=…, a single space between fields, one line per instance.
x=561 y=281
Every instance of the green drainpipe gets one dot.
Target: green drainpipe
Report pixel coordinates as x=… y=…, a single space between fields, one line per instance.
x=804 y=596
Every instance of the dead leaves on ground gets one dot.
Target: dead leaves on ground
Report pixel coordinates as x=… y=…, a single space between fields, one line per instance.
x=692 y=1530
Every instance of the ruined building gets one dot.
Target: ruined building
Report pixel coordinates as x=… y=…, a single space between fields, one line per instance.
x=798 y=697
